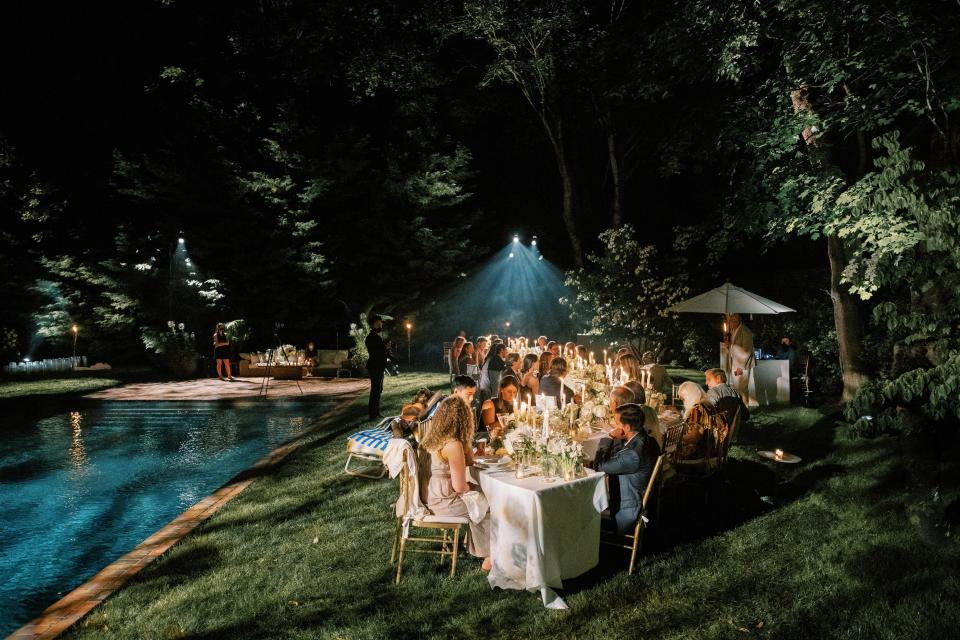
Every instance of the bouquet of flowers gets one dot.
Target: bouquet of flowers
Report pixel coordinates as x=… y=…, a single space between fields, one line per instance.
x=562 y=454
x=519 y=441
x=591 y=381
x=593 y=412
x=655 y=399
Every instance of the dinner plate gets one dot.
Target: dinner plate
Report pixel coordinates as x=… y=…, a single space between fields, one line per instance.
x=491 y=461
x=788 y=458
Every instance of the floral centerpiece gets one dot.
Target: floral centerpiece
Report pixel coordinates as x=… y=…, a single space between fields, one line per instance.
x=591 y=383
x=655 y=399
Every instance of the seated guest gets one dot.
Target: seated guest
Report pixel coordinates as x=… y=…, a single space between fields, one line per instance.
x=541 y=347
x=651 y=424
x=552 y=385
x=570 y=351
x=455 y=350
x=702 y=423
x=424 y=403
x=483 y=346
x=491 y=369
x=620 y=395
x=718 y=388
x=639 y=395
x=691 y=395
x=529 y=381
x=660 y=380
x=499 y=405
x=467 y=358
x=543 y=370
x=629 y=368
x=582 y=354
x=465 y=387
x=554 y=348
x=629 y=456
x=512 y=367
x=444 y=478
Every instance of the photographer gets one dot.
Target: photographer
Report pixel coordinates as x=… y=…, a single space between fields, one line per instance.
x=376 y=365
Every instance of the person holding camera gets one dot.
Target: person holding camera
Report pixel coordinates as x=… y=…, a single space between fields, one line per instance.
x=377 y=356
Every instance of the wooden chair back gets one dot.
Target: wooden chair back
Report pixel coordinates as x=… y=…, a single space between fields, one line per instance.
x=671 y=442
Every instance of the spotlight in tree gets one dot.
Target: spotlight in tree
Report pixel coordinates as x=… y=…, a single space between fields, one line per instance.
x=180 y=240
x=516 y=237
x=540 y=258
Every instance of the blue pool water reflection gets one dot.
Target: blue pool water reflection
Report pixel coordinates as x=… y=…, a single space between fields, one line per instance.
x=81 y=488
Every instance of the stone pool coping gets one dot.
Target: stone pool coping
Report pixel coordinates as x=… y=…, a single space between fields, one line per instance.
x=70 y=609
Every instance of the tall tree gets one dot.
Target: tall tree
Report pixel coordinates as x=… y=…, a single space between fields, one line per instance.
x=532 y=46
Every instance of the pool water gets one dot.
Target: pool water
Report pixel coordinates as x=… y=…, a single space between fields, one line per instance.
x=81 y=488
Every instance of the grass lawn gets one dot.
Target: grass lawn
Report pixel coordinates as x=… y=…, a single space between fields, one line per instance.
x=16 y=389
x=840 y=546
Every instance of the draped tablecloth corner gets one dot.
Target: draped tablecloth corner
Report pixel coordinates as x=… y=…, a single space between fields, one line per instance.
x=540 y=532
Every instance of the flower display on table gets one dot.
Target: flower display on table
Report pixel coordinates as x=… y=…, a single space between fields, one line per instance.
x=591 y=383
x=655 y=399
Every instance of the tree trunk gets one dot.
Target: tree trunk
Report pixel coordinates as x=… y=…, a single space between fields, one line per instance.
x=846 y=308
x=846 y=318
x=613 y=154
x=565 y=169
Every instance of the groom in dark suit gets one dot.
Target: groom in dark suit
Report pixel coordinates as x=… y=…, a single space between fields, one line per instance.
x=376 y=364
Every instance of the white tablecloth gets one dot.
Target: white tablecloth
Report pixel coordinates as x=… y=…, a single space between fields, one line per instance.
x=542 y=532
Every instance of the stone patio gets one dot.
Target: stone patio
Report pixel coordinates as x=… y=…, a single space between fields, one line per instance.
x=241 y=388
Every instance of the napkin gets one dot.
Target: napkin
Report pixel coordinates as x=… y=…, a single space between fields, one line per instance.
x=477 y=505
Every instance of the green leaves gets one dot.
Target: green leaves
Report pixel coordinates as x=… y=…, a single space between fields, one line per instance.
x=632 y=305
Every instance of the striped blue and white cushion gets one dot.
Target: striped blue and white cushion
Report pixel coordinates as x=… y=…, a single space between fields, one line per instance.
x=372 y=441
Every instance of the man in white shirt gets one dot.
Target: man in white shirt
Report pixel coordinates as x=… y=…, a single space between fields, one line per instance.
x=740 y=361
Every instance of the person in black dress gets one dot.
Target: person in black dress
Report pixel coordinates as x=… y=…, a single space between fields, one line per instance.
x=221 y=351
x=376 y=365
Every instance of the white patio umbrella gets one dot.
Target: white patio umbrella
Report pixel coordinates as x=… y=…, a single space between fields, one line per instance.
x=727 y=299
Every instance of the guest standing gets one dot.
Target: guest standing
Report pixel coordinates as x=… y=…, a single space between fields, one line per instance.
x=467 y=359
x=454 y=359
x=221 y=351
x=740 y=360
x=377 y=355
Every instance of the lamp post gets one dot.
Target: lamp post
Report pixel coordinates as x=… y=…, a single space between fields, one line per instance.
x=76 y=333
x=409 y=327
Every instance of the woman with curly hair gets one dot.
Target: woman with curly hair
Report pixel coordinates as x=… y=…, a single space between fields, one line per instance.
x=449 y=443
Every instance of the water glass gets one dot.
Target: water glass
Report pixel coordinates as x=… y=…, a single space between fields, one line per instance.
x=548 y=465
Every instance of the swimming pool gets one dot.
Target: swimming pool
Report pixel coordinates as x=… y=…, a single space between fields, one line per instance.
x=81 y=488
